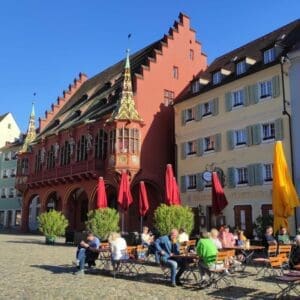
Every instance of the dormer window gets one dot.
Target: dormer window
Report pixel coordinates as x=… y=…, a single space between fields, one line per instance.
x=195 y=87
x=269 y=55
x=217 y=77
x=241 y=67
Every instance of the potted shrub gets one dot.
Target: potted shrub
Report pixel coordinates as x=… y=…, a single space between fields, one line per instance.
x=52 y=224
x=175 y=216
x=103 y=221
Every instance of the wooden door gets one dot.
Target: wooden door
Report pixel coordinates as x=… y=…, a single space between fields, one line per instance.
x=243 y=219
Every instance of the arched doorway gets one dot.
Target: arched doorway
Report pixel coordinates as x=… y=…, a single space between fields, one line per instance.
x=155 y=199
x=112 y=196
x=77 y=209
x=34 y=211
x=53 y=202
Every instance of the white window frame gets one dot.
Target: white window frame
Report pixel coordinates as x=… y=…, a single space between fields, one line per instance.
x=237 y=98
x=268 y=179
x=190 y=148
x=217 y=77
x=269 y=137
x=191 y=182
x=243 y=176
x=240 y=138
x=206 y=141
x=241 y=67
x=269 y=55
x=265 y=89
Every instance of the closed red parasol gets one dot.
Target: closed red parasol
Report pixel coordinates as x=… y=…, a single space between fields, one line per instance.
x=101 y=194
x=143 y=200
x=219 y=201
x=124 y=197
x=172 y=191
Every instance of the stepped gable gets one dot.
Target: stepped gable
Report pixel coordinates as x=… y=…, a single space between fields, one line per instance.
x=101 y=92
x=285 y=37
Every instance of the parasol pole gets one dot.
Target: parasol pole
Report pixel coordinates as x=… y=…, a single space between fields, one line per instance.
x=141 y=224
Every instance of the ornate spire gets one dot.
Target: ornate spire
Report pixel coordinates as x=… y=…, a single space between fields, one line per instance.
x=31 y=133
x=126 y=109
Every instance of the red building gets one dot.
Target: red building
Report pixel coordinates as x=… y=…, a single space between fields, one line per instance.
x=120 y=119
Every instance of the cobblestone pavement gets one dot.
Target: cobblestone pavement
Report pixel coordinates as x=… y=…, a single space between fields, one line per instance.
x=32 y=270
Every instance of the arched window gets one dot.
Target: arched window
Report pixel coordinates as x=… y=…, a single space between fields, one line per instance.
x=101 y=145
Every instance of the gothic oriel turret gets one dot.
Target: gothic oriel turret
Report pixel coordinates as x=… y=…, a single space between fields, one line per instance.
x=126 y=110
x=31 y=131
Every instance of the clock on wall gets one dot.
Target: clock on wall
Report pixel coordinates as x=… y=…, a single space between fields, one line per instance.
x=207 y=175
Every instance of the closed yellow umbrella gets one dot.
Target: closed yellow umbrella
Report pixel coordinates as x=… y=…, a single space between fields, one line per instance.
x=284 y=197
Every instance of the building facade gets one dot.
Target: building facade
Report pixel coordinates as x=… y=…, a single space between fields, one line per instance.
x=10 y=131
x=120 y=119
x=228 y=120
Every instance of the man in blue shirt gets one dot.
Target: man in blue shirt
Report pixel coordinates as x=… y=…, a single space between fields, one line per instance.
x=87 y=252
x=167 y=246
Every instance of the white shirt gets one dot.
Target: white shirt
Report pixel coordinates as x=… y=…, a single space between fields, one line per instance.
x=217 y=242
x=118 y=247
x=183 y=237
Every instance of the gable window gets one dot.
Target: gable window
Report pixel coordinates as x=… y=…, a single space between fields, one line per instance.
x=269 y=55
x=240 y=137
x=168 y=97
x=268 y=172
x=209 y=143
x=241 y=67
x=217 y=77
x=191 y=182
x=175 y=72
x=268 y=131
x=238 y=98
x=265 y=89
x=242 y=175
x=189 y=114
x=206 y=109
x=191 y=147
x=9 y=125
x=191 y=54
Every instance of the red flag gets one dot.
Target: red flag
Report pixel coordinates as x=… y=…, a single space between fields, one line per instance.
x=124 y=197
x=219 y=201
x=101 y=194
x=143 y=200
x=172 y=191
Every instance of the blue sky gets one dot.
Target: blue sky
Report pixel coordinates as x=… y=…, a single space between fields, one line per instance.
x=45 y=44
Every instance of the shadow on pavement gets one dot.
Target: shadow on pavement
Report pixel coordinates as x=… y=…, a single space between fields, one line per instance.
x=228 y=292
x=37 y=242
x=56 y=269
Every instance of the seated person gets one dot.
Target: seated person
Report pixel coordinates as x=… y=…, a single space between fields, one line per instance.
x=283 y=237
x=118 y=247
x=268 y=238
x=227 y=238
x=87 y=252
x=241 y=238
x=207 y=251
x=146 y=237
x=183 y=237
x=295 y=259
x=214 y=236
x=166 y=247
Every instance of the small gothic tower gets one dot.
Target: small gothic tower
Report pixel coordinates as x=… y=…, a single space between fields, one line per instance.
x=31 y=131
x=125 y=124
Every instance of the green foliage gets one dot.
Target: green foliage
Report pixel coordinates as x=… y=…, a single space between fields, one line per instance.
x=52 y=223
x=175 y=216
x=103 y=221
x=261 y=223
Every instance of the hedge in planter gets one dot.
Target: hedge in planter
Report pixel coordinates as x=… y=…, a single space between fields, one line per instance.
x=175 y=216
x=52 y=224
x=103 y=221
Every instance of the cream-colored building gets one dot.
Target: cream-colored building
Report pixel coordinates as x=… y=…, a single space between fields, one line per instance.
x=228 y=122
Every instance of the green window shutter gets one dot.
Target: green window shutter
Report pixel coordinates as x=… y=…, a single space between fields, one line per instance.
x=228 y=101
x=215 y=106
x=251 y=175
x=200 y=148
x=249 y=135
x=183 y=184
x=256 y=134
x=198 y=109
x=246 y=96
x=200 y=183
x=230 y=139
x=183 y=112
x=183 y=150
x=259 y=174
x=218 y=142
x=275 y=86
x=279 y=129
x=231 y=177
x=253 y=90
